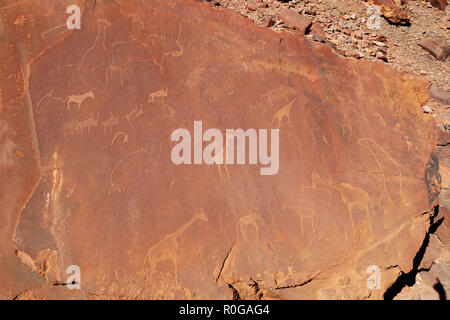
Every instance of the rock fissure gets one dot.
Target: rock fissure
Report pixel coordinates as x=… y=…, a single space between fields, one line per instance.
x=224 y=262
x=409 y=278
x=296 y=285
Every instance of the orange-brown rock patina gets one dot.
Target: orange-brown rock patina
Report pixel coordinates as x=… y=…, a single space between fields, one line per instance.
x=86 y=176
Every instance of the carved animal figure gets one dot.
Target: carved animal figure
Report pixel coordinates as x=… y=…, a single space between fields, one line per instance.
x=78 y=99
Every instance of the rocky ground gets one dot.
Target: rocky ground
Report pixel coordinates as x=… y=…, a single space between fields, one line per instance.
x=412 y=36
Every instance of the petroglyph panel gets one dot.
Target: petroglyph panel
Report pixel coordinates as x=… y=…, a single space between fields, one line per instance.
x=87 y=179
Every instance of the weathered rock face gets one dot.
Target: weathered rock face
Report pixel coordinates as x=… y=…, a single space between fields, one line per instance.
x=87 y=177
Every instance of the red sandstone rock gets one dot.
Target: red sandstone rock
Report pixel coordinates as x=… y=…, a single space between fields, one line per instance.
x=86 y=177
x=381 y=38
x=296 y=20
x=392 y=12
x=256 y=5
x=440 y=4
x=317 y=32
x=268 y=23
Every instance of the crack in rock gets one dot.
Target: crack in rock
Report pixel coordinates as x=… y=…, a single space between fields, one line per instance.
x=409 y=278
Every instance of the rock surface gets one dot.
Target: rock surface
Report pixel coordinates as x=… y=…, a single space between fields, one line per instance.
x=86 y=176
x=345 y=24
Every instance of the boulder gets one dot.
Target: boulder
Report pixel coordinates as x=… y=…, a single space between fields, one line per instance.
x=317 y=33
x=296 y=20
x=440 y=4
x=391 y=12
x=438 y=48
x=439 y=94
x=87 y=180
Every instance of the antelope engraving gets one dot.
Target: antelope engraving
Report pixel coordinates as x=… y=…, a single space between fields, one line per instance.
x=157 y=94
x=78 y=99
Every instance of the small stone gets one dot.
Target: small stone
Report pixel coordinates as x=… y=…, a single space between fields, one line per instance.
x=346 y=31
x=255 y=6
x=268 y=23
x=379 y=44
x=380 y=38
x=356 y=55
x=427 y=109
x=380 y=55
x=317 y=33
x=358 y=35
x=309 y=11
